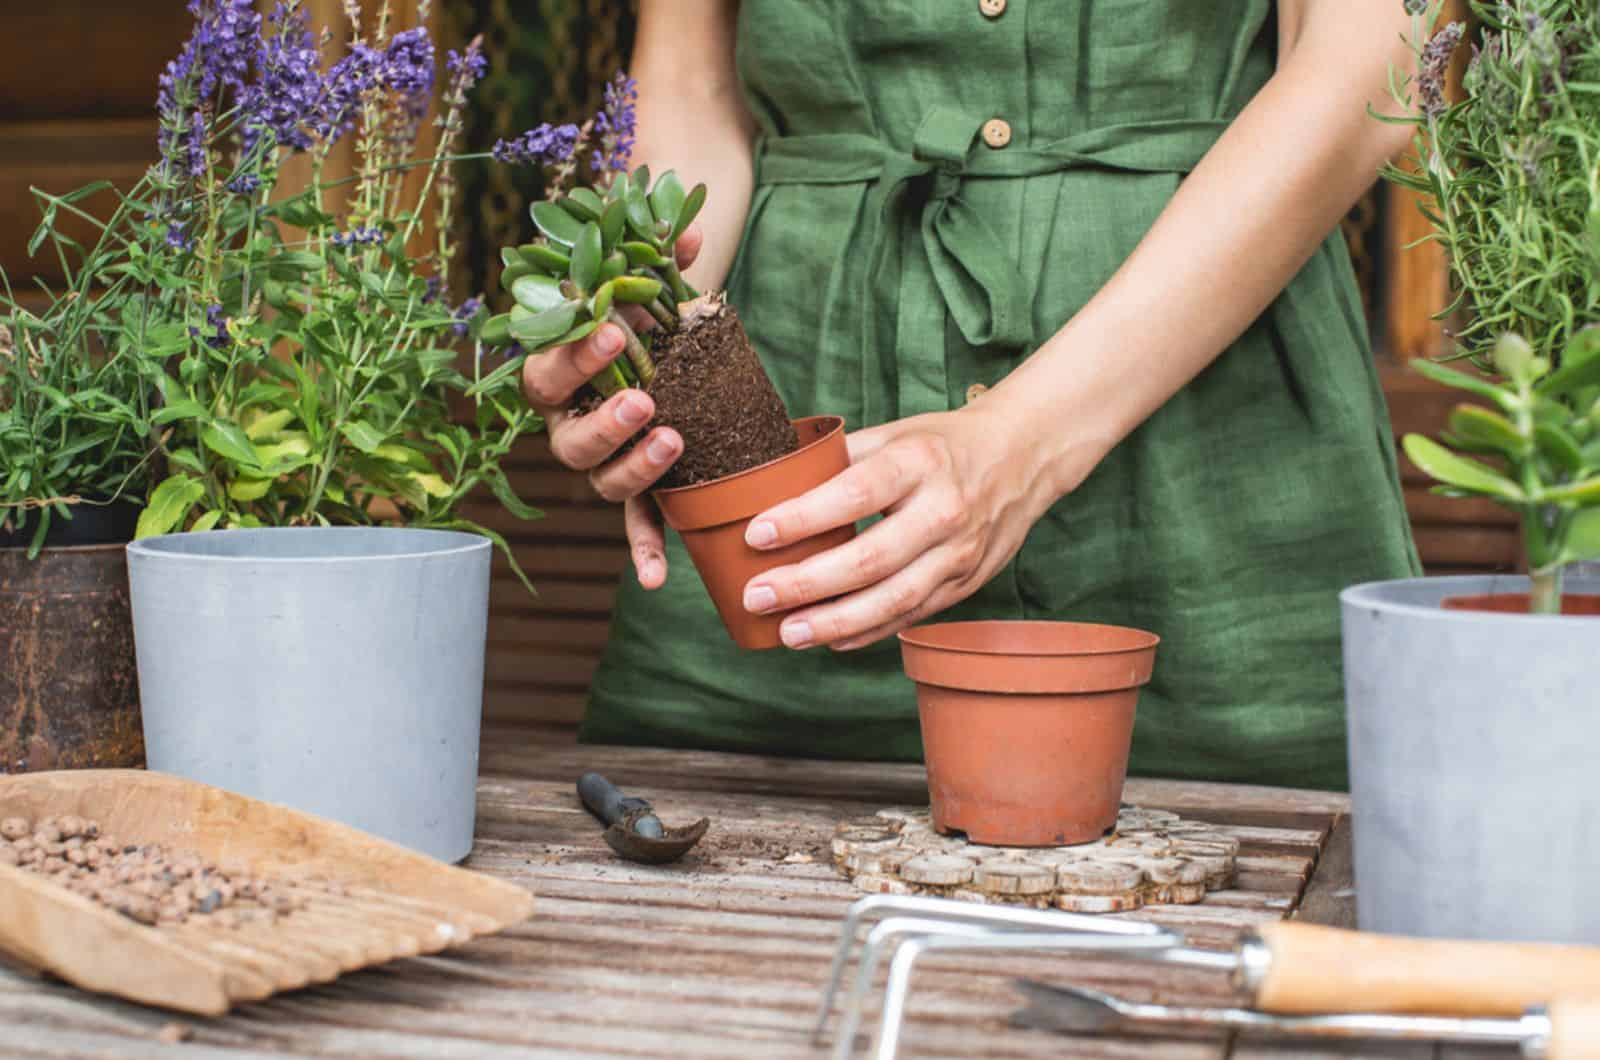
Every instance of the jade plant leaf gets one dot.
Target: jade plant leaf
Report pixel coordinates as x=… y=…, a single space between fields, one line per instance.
x=557 y=223
x=1479 y=427
x=537 y=293
x=1558 y=447
x=514 y=272
x=613 y=223
x=600 y=304
x=1455 y=470
x=641 y=179
x=640 y=290
x=615 y=265
x=667 y=197
x=640 y=219
x=1583 y=537
x=547 y=258
x=686 y=216
x=1585 y=491
x=643 y=254
x=1462 y=381
x=540 y=328
x=584 y=204
x=586 y=256
x=581 y=331
x=1580 y=366
x=496 y=330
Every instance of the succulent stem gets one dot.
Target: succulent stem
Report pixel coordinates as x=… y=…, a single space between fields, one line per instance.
x=638 y=356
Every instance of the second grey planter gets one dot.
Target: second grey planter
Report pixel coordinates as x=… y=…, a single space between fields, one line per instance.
x=1474 y=763
x=337 y=671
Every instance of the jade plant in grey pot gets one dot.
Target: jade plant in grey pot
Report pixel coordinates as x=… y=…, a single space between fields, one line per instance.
x=1471 y=700
x=310 y=607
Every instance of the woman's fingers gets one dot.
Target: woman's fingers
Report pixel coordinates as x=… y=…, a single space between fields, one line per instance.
x=859 y=491
x=688 y=246
x=883 y=549
x=637 y=470
x=646 y=542
x=879 y=608
x=587 y=441
x=550 y=378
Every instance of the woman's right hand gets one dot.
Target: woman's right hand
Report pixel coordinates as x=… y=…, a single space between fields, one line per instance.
x=590 y=442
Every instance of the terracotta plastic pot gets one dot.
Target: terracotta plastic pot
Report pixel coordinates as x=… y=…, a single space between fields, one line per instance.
x=1026 y=725
x=712 y=516
x=1517 y=603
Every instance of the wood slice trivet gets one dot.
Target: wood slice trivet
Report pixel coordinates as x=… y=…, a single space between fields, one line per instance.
x=364 y=901
x=1152 y=857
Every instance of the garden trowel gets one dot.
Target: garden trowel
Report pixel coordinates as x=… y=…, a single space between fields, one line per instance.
x=632 y=828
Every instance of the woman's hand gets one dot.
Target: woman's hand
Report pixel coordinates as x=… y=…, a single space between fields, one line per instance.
x=960 y=491
x=590 y=442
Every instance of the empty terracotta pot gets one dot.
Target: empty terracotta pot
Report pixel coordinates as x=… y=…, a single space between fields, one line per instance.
x=712 y=516
x=1026 y=725
x=1517 y=603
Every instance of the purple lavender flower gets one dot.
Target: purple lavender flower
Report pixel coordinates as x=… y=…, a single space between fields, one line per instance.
x=288 y=91
x=464 y=315
x=616 y=123
x=245 y=183
x=468 y=67
x=357 y=237
x=217 y=55
x=1435 y=63
x=218 y=337
x=543 y=146
x=408 y=66
x=194 y=145
x=178 y=236
x=431 y=293
x=350 y=79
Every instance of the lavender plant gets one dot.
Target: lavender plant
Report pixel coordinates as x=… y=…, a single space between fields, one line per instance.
x=277 y=347
x=604 y=242
x=1510 y=180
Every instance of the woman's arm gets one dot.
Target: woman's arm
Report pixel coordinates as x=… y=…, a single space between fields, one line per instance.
x=692 y=119
x=962 y=488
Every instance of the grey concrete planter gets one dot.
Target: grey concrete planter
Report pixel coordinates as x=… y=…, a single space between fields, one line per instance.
x=1474 y=763
x=336 y=671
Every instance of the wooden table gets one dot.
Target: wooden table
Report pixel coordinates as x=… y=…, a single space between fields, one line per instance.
x=722 y=955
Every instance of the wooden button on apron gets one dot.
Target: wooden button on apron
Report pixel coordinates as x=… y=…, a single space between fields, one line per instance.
x=975 y=391
x=992 y=8
x=996 y=132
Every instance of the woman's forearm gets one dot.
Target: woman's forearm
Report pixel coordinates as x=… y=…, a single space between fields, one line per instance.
x=692 y=118
x=1232 y=237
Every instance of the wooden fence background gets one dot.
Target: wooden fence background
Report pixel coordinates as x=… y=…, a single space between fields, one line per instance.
x=76 y=95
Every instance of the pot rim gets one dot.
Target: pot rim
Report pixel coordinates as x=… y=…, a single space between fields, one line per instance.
x=917 y=636
x=837 y=424
x=169 y=546
x=1381 y=595
x=104 y=546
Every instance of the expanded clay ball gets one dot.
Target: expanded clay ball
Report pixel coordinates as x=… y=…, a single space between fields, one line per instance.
x=14 y=828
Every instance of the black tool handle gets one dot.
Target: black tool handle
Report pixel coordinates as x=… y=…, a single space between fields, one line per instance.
x=602 y=799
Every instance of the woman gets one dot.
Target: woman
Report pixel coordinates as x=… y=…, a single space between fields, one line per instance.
x=1070 y=269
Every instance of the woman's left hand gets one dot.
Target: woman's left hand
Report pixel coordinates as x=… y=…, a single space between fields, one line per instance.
x=959 y=492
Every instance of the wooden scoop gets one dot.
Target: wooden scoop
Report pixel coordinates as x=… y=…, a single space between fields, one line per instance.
x=366 y=900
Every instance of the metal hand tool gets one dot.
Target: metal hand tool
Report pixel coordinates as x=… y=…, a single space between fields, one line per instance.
x=633 y=829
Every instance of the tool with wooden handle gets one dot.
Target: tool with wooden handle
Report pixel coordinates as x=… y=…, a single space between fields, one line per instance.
x=1293 y=968
x=1565 y=1030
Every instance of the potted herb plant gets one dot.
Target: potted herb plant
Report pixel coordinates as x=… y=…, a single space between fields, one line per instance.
x=316 y=636
x=75 y=459
x=1471 y=700
x=604 y=251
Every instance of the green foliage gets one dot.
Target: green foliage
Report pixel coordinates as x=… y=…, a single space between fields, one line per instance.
x=598 y=249
x=1510 y=182
x=1510 y=174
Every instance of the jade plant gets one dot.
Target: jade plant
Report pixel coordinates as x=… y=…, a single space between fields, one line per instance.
x=599 y=248
x=1509 y=178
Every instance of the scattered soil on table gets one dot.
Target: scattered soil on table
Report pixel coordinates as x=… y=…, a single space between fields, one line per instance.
x=711 y=388
x=147 y=883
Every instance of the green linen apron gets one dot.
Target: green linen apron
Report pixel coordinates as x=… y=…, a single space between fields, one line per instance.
x=893 y=258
